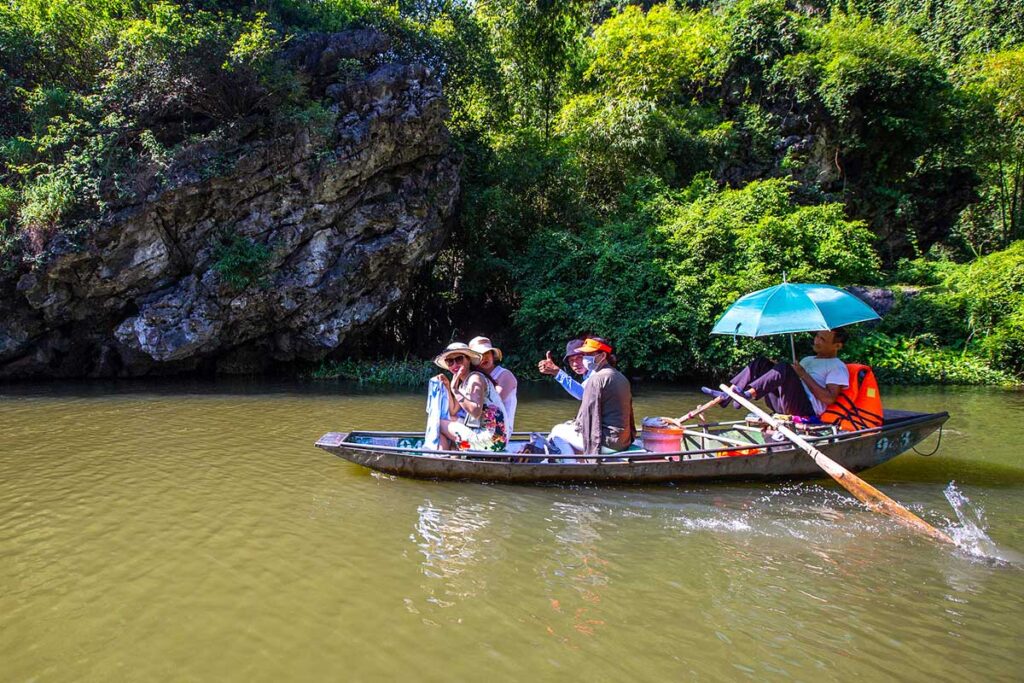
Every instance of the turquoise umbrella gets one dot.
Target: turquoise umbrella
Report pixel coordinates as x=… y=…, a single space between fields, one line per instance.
x=790 y=308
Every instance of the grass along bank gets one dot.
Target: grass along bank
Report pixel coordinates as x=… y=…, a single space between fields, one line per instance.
x=896 y=361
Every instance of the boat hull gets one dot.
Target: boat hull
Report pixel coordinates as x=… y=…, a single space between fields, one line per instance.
x=856 y=451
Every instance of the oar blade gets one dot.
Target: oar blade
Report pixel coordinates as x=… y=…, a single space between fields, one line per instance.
x=874 y=499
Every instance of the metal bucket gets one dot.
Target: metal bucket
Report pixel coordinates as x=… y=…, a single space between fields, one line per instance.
x=660 y=436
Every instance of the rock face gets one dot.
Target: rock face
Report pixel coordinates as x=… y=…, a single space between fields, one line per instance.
x=881 y=299
x=257 y=248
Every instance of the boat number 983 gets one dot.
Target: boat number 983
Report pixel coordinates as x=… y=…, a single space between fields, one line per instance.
x=898 y=444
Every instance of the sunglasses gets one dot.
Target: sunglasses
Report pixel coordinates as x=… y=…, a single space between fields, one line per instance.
x=454 y=359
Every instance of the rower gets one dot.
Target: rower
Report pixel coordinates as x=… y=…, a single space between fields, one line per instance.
x=801 y=389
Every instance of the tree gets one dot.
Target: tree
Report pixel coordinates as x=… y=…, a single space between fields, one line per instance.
x=536 y=43
x=999 y=144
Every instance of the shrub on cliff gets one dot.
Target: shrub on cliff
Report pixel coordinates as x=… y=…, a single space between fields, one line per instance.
x=98 y=97
x=242 y=261
x=176 y=66
x=884 y=109
x=102 y=93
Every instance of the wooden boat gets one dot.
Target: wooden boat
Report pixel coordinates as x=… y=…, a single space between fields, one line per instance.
x=720 y=451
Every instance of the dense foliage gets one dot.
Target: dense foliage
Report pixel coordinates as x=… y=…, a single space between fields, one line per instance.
x=629 y=168
x=977 y=307
x=701 y=151
x=656 y=273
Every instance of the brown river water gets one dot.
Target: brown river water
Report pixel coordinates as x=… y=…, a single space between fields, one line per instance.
x=191 y=532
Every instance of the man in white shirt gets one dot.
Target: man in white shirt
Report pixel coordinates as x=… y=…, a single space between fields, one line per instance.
x=804 y=389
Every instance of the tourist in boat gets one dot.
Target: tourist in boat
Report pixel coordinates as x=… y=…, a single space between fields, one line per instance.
x=476 y=414
x=604 y=422
x=801 y=389
x=574 y=359
x=505 y=382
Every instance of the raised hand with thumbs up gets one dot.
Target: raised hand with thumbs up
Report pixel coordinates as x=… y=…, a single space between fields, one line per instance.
x=547 y=366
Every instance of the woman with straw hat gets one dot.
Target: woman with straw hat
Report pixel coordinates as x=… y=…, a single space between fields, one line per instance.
x=473 y=395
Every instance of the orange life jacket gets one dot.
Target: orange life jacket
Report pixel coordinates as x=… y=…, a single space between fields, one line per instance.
x=858 y=406
x=742 y=451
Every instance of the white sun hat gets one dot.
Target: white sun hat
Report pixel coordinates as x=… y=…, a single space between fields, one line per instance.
x=483 y=344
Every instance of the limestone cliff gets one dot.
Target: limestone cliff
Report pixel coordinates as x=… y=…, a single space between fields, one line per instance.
x=269 y=244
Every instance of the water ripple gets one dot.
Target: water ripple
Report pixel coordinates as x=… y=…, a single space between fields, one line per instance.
x=194 y=533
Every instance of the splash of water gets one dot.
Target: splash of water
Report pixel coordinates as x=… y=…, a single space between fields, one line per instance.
x=969 y=534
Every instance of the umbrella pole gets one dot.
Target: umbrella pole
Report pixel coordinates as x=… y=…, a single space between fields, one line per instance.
x=792 y=346
x=874 y=499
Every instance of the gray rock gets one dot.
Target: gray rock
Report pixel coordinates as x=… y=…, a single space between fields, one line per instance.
x=881 y=299
x=345 y=213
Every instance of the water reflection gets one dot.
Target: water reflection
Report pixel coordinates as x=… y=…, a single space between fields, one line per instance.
x=575 y=575
x=451 y=540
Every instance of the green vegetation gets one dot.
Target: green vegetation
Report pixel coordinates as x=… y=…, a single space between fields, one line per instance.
x=976 y=309
x=658 y=272
x=405 y=373
x=241 y=261
x=702 y=150
x=629 y=168
x=899 y=360
x=99 y=97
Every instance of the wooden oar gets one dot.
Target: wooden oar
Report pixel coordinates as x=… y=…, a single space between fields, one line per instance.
x=874 y=499
x=678 y=421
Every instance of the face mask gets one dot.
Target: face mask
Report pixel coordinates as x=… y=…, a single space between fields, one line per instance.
x=589 y=363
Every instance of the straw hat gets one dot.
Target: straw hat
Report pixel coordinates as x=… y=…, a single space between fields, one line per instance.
x=456 y=349
x=482 y=345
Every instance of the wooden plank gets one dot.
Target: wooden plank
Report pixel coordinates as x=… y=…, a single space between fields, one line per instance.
x=332 y=439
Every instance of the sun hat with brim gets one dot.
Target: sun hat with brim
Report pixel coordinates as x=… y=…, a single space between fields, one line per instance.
x=456 y=349
x=482 y=345
x=593 y=345
x=572 y=349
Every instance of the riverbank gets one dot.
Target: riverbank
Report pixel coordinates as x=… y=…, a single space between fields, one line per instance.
x=895 y=361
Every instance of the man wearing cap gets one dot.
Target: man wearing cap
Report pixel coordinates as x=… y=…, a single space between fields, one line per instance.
x=604 y=422
x=503 y=379
x=574 y=360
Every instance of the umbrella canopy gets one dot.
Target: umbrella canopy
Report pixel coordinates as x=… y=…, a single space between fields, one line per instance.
x=791 y=307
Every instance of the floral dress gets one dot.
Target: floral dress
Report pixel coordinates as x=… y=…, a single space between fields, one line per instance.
x=488 y=430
